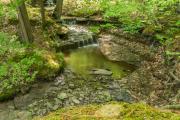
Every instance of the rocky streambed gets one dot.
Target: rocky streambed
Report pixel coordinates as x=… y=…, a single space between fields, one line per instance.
x=68 y=89
x=87 y=78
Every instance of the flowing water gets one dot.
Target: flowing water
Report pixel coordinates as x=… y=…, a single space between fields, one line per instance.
x=84 y=59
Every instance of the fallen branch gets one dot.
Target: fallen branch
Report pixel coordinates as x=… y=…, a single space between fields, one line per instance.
x=175 y=77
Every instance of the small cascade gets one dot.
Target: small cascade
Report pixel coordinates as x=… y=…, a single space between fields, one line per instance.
x=68 y=22
x=78 y=36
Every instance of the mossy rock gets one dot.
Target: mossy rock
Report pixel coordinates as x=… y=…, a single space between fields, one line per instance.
x=5 y=95
x=52 y=64
x=111 y=111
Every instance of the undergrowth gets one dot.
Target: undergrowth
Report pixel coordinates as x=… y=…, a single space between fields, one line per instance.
x=22 y=64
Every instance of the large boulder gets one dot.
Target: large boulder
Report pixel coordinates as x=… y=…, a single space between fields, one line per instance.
x=122 y=49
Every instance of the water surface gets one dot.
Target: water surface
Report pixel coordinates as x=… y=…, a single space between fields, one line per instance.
x=84 y=59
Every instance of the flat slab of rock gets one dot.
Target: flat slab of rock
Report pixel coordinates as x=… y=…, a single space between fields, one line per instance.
x=101 y=72
x=110 y=110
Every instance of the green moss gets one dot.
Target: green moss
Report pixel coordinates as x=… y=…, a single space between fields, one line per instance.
x=4 y=95
x=51 y=64
x=34 y=13
x=111 y=111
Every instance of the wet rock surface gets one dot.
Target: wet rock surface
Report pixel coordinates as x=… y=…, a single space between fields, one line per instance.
x=122 y=49
x=77 y=36
x=68 y=89
x=101 y=72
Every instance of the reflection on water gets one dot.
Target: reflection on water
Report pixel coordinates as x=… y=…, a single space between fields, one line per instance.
x=84 y=59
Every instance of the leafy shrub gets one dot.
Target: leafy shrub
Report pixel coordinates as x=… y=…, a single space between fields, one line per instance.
x=107 y=26
x=9 y=10
x=14 y=76
x=136 y=15
x=10 y=47
x=20 y=65
x=127 y=12
x=83 y=8
x=94 y=29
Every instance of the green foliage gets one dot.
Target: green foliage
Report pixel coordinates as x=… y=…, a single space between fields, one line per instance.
x=94 y=29
x=9 y=10
x=17 y=74
x=136 y=15
x=83 y=8
x=162 y=38
x=127 y=12
x=1 y=9
x=97 y=29
x=21 y=65
x=10 y=47
x=14 y=73
x=107 y=26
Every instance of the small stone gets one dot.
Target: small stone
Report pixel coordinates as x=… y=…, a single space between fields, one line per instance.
x=11 y=107
x=62 y=96
x=49 y=105
x=44 y=111
x=63 y=83
x=56 y=100
x=80 y=98
x=24 y=115
x=110 y=110
x=123 y=95
x=71 y=85
x=101 y=72
x=55 y=107
x=81 y=95
x=76 y=101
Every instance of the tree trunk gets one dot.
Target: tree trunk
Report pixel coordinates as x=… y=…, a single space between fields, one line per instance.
x=43 y=14
x=58 y=9
x=33 y=3
x=25 y=26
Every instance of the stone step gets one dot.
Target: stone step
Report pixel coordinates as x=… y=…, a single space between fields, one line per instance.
x=73 y=45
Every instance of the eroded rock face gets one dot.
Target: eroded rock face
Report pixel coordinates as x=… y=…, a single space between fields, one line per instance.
x=154 y=81
x=122 y=49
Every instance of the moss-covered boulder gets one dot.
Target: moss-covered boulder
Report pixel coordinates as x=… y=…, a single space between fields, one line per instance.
x=111 y=111
x=51 y=64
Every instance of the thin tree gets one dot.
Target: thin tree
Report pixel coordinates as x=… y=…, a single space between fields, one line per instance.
x=43 y=14
x=58 y=9
x=25 y=26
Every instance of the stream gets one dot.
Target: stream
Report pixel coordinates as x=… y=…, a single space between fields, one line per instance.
x=87 y=58
x=75 y=86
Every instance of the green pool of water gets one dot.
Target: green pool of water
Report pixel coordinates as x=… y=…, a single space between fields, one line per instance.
x=83 y=60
